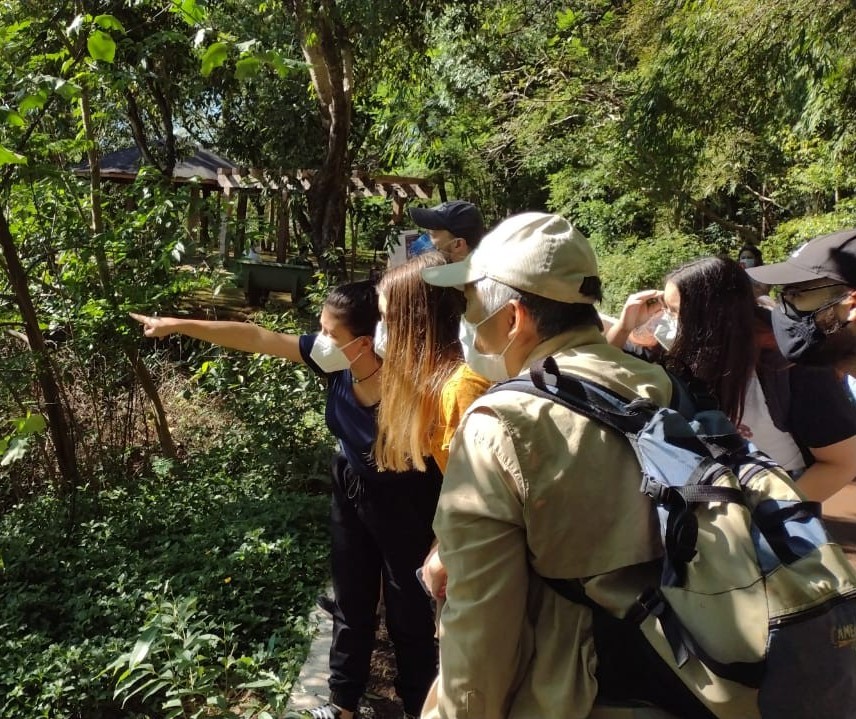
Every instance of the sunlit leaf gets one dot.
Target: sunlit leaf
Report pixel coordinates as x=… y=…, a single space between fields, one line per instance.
x=214 y=57
x=192 y=12
x=142 y=647
x=247 y=67
x=10 y=117
x=7 y=157
x=33 y=102
x=101 y=46
x=30 y=424
x=108 y=22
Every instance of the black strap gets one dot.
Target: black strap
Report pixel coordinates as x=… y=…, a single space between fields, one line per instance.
x=572 y=590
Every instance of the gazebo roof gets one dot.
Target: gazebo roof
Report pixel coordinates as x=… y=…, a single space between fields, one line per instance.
x=214 y=171
x=123 y=166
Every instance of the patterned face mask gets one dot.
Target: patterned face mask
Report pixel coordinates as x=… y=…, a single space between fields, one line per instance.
x=665 y=330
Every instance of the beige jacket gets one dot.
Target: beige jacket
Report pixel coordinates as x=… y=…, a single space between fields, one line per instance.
x=534 y=489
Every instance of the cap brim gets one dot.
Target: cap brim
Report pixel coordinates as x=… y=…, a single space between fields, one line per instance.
x=456 y=274
x=426 y=217
x=782 y=273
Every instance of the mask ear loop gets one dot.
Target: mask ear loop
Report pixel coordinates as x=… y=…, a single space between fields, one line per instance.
x=838 y=324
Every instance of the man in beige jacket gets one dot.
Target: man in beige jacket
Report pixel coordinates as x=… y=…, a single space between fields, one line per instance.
x=533 y=490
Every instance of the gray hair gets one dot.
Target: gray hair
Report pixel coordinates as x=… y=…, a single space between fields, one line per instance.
x=494 y=295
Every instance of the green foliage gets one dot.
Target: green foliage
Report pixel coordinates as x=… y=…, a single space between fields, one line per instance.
x=198 y=579
x=638 y=264
x=13 y=446
x=790 y=235
x=278 y=406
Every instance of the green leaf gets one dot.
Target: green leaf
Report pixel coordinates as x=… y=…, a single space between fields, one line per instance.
x=101 y=46
x=214 y=57
x=33 y=102
x=66 y=90
x=142 y=647
x=108 y=22
x=191 y=12
x=565 y=19
x=7 y=157
x=10 y=117
x=247 y=67
x=31 y=424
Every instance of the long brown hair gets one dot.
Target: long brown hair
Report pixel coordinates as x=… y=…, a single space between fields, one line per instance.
x=422 y=352
x=716 y=343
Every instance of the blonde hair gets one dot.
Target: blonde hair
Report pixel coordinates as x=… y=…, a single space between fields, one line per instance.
x=422 y=352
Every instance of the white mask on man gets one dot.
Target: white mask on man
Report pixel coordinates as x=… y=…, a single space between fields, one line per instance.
x=489 y=366
x=330 y=357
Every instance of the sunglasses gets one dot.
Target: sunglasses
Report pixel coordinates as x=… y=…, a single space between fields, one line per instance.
x=800 y=303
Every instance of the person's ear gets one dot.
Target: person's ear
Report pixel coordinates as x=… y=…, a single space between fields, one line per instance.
x=517 y=318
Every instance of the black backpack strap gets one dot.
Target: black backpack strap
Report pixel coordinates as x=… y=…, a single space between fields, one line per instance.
x=683 y=644
x=582 y=396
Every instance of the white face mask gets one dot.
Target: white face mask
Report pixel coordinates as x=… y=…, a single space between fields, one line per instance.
x=665 y=330
x=381 y=337
x=491 y=366
x=329 y=357
x=747 y=262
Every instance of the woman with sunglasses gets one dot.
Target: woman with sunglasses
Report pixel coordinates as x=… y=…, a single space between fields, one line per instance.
x=715 y=337
x=380 y=520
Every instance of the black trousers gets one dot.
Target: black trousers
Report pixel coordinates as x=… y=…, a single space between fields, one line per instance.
x=381 y=533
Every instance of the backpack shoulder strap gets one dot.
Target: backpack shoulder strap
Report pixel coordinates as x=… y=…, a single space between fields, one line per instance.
x=590 y=399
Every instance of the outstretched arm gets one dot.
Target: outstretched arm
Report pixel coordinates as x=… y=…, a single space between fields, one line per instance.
x=236 y=335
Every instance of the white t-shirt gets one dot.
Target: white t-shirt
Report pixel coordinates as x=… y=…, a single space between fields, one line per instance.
x=757 y=426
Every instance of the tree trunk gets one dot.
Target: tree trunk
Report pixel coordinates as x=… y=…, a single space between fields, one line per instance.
x=326 y=48
x=57 y=414
x=97 y=224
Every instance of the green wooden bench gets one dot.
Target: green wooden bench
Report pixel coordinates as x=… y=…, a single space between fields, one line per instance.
x=259 y=279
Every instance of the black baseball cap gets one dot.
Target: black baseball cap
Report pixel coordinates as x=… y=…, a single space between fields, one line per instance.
x=830 y=256
x=461 y=218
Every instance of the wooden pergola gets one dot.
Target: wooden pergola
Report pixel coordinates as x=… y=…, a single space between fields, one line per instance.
x=206 y=172
x=240 y=181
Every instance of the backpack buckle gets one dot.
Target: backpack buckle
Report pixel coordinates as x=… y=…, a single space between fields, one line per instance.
x=649 y=602
x=657 y=491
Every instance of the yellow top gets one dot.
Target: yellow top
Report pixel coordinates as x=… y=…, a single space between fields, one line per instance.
x=459 y=392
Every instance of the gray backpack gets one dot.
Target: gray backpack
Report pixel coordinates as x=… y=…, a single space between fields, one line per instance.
x=754 y=614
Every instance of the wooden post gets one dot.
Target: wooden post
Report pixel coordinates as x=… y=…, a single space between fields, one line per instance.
x=225 y=215
x=241 y=228
x=205 y=220
x=193 y=215
x=283 y=237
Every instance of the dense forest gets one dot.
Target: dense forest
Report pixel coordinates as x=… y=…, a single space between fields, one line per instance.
x=162 y=504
